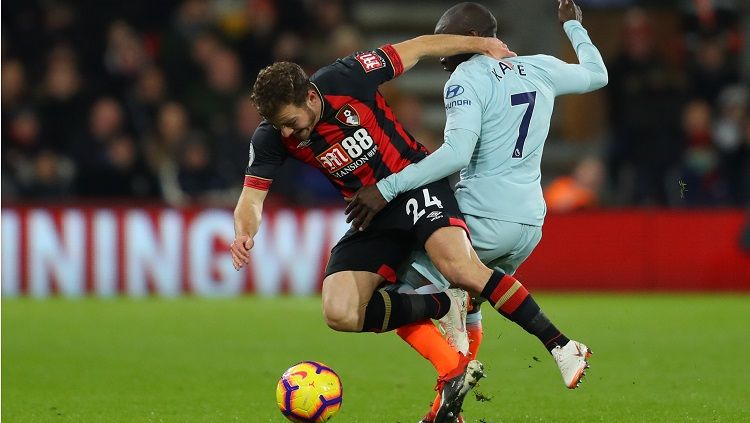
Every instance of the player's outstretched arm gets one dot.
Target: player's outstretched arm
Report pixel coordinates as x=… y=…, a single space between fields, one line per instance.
x=590 y=74
x=441 y=45
x=247 y=216
x=452 y=156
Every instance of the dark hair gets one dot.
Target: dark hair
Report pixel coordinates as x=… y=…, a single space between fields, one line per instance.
x=277 y=85
x=465 y=17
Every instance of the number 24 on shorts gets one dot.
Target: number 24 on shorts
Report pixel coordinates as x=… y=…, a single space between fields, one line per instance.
x=412 y=206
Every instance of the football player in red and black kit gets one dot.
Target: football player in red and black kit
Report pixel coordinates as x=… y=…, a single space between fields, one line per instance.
x=338 y=121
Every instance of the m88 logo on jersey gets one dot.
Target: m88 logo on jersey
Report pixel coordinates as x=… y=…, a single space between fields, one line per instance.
x=346 y=151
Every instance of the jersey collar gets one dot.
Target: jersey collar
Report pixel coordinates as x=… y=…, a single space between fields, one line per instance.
x=327 y=111
x=322 y=101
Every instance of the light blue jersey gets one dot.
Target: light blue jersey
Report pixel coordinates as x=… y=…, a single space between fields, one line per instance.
x=498 y=118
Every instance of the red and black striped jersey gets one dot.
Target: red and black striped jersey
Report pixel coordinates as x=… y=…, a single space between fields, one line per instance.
x=358 y=140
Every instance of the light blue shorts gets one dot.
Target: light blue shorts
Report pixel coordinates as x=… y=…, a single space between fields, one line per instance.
x=499 y=244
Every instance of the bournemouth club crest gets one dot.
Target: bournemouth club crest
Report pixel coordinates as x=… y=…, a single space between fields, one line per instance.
x=348 y=116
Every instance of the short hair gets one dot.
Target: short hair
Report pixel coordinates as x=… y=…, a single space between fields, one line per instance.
x=277 y=85
x=465 y=17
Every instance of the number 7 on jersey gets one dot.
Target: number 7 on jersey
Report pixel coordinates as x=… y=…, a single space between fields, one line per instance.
x=523 y=98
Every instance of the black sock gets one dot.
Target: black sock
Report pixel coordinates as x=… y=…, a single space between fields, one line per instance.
x=514 y=302
x=388 y=310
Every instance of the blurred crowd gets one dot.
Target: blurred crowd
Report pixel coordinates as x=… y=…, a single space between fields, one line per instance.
x=149 y=100
x=679 y=113
x=679 y=123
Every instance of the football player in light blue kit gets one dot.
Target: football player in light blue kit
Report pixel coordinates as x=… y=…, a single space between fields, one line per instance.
x=498 y=118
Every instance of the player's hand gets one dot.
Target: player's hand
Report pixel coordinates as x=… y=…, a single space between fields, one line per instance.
x=497 y=49
x=568 y=11
x=364 y=205
x=240 y=249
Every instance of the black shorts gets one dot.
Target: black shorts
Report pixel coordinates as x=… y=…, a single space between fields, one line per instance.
x=402 y=226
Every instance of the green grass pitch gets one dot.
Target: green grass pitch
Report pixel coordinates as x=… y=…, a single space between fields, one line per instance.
x=656 y=359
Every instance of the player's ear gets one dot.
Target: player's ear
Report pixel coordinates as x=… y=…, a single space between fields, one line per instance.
x=311 y=96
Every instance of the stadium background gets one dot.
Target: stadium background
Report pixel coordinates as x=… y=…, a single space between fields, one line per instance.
x=126 y=126
x=125 y=129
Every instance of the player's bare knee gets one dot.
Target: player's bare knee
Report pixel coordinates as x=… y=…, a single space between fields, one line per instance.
x=342 y=323
x=339 y=318
x=454 y=270
x=463 y=274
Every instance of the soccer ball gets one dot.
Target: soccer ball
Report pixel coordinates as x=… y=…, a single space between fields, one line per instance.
x=309 y=392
